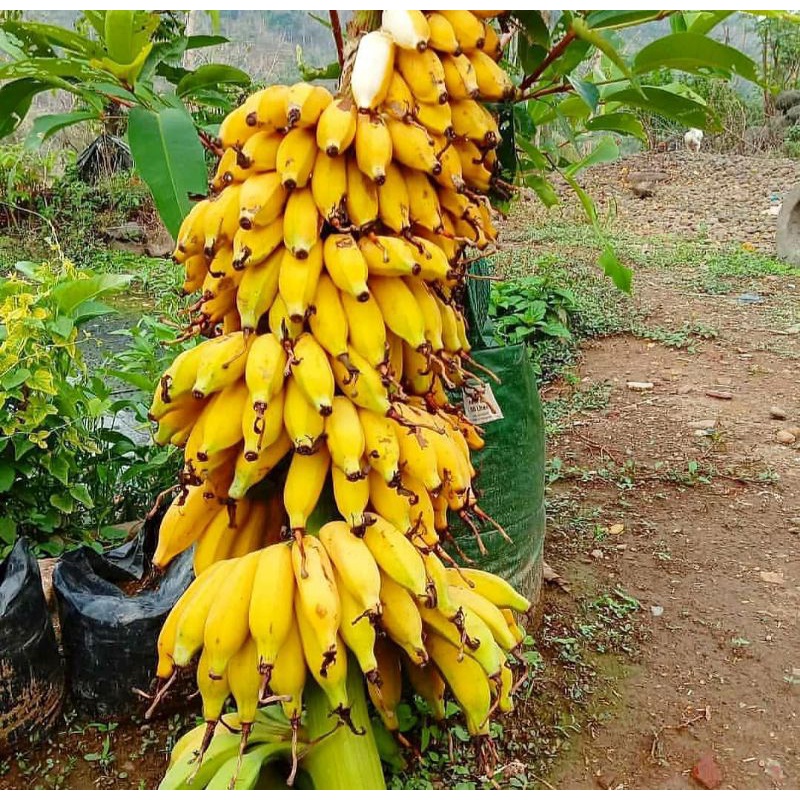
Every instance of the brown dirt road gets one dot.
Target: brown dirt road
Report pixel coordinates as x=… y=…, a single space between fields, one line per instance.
x=710 y=504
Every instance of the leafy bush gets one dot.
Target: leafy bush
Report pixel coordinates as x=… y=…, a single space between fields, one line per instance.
x=66 y=472
x=536 y=311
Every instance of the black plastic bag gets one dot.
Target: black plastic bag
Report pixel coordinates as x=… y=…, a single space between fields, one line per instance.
x=510 y=471
x=109 y=636
x=31 y=669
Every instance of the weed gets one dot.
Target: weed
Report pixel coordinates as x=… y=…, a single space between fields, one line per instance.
x=685 y=338
x=104 y=758
x=559 y=411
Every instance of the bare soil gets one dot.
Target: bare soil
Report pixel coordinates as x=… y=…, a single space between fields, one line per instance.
x=697 y=504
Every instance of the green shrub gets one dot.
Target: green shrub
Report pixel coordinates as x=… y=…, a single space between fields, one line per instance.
x=66 y=473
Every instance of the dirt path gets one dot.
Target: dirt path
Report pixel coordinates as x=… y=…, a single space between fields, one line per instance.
x=697 y=509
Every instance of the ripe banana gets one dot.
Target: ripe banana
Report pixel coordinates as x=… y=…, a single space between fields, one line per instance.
x=344 y=437
x=329 y=188
x=362 y=196
x=261 y=200
x=355 y=566
x=297 y=281
x=304 y=424
x=227 y=625
x=301 y=223
x=373 y=146
x=305 y=103
x=346 y=265
x=401 y=620
x=424 y=74
x=408 y=29
x=396 y=556
x=295 y=158
x=366 y=329
x=336 y=128
x=312 y=373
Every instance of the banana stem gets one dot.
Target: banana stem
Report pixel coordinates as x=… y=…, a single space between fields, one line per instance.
x=342 y=760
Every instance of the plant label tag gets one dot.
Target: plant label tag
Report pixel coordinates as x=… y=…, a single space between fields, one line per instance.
x=480 y=405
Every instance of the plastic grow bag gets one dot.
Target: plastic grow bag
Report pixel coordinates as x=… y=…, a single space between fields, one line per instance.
x=31 y=669
x=510 y=470
x=109 y=635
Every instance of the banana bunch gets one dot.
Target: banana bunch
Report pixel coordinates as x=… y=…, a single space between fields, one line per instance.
x=263 y=622
x=329 y=262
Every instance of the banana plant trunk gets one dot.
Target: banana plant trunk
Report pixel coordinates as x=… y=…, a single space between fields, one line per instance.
x=343 y=760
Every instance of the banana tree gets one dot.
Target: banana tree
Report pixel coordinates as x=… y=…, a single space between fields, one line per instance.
x=115 y=64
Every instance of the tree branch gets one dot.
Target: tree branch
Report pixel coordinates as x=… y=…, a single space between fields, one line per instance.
x=336 y=27
x=556 y=52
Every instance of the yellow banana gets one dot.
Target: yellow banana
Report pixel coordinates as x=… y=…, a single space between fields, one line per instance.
x=418 y=457
x=345 y=437
x=195 y=269
x=493 y=82
x=235 y=130
x=264 y=370
x=270 y=113
x=488 y=612
x=227 y=625
x=423 y=532
x=217 y=540
x=401 y=620
x=301 y=223
x=346 y=265
x=222 y=366
x=260 y=151
x=258 y=289
x=288 y=676
x=222 y=420
x=372 y=70
x=330 y=675
x=400 y=311
x=438 y=120
x=468 y=29
x=365 y=326
x=467 y=631
x=328 y=323
x=492 y=587
x=191 y=234
x=281 y=324
x=261 y=429
x=249 y=473
x=329 y=188
x=381 y=446
x=182 y=525
x=424 y=74
x=395 y=506
x=169 y=630
x=408 y=29
x=271 y=615
x=365 y=388
x=467 y=682
x=355 y=565
x=460 y=77
x=245 y=683
x=451 y=176
x=304 y=104
x=393 y=201
x=297 y=281
x=357 y=631
x=304 y=424
x=313 y=374
x=386 y=698
x=191 y=618
x=221 y=219
x=472 y=121
x=317 y=599
x=362 y=196
x=399 y=102
x=443 y=37
x=351 y=498
x=336 y=128
x=373 y=145
x=261 y=200
x=413 y=147
x=506 y=701
x=493 y=47
x=423 y=201
x=253 y=246
x=304 y=482
x=516 y=630
x=294 y=160
x=214 y=693
x=396 y=556
x=430 y=312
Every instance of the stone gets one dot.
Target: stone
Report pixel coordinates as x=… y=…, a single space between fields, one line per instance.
x=707 y=772
x=702 y=424
x=718 y=394
x=597 y=554
x=788 y=228
x=639 y=386
x=776 y=412
x=785 y=437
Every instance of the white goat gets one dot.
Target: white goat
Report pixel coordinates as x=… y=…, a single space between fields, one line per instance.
x=693 y=138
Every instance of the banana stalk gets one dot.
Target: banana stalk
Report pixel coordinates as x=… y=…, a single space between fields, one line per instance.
x=343 y=760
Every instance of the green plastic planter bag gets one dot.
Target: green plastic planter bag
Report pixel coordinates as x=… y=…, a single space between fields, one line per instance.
x=510 y=472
